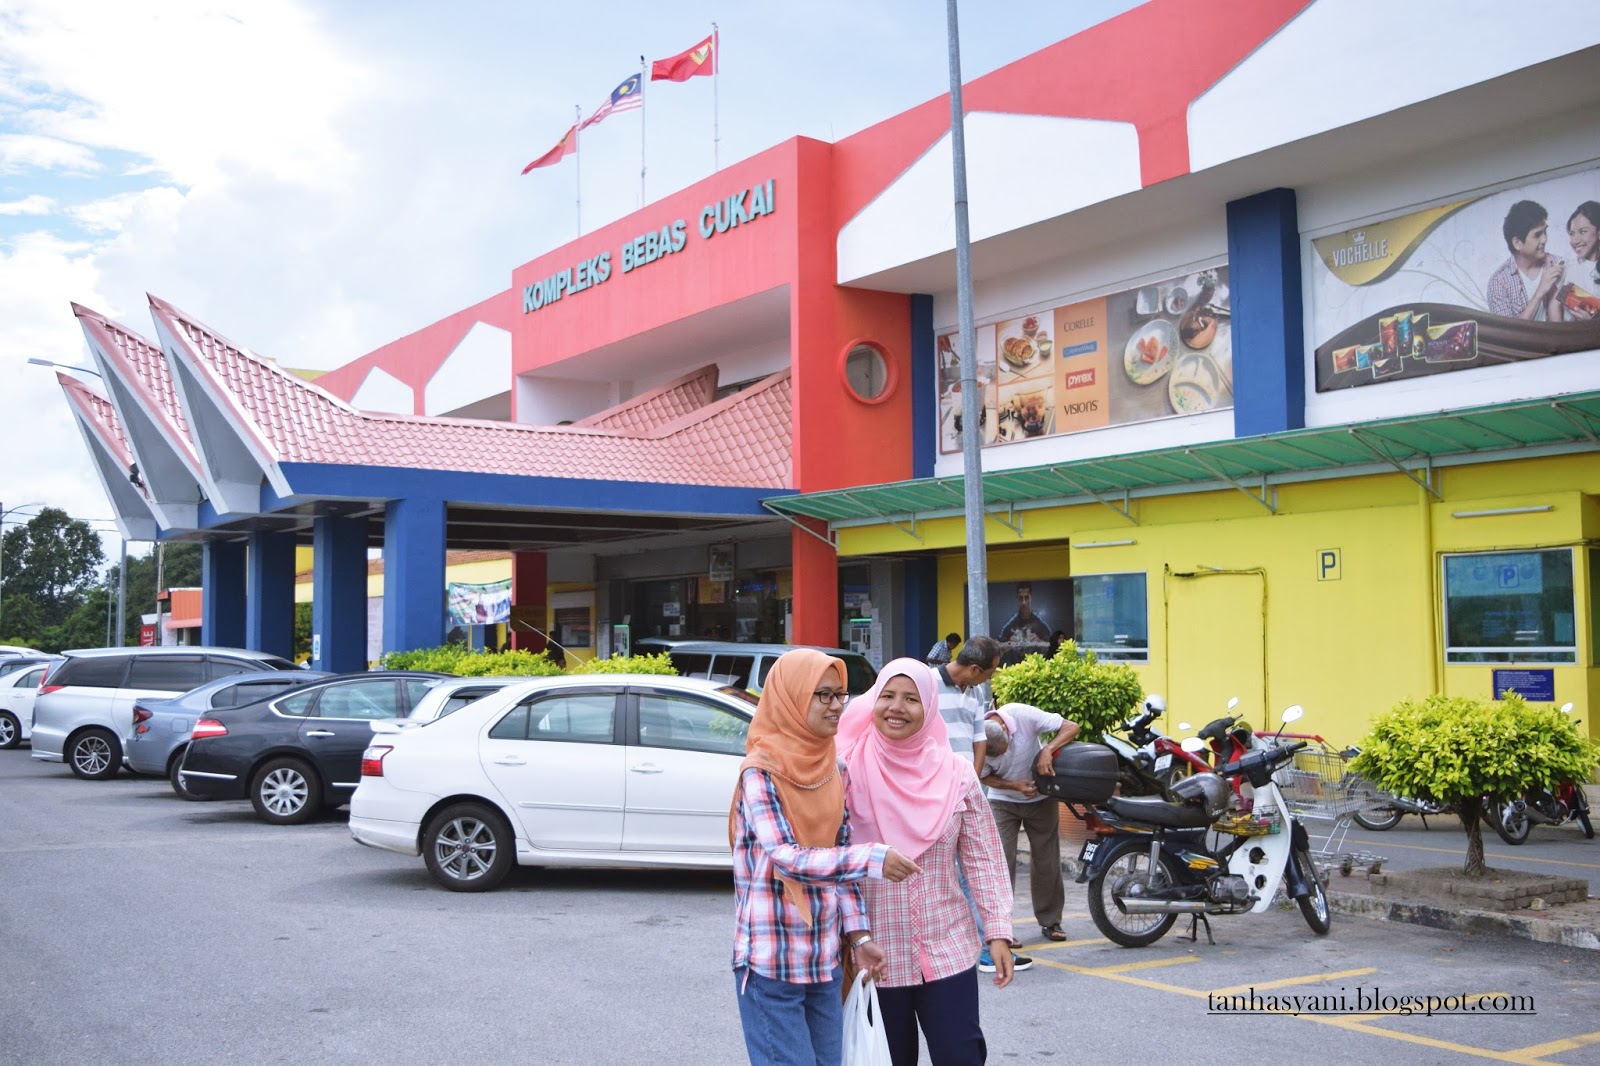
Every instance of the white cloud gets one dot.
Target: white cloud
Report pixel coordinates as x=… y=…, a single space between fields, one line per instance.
x=23 y=151
x=28 y=205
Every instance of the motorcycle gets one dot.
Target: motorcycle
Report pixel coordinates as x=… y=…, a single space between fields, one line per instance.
x=1150 y=860
x=1148 y=762
x=1388 y=809
x=1514 y=819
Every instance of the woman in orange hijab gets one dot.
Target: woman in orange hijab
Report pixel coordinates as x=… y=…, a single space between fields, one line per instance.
x=796 y=874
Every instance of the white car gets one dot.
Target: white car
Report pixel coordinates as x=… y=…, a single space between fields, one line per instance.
x=448 y=697
x=627 y=770
x=17 y=691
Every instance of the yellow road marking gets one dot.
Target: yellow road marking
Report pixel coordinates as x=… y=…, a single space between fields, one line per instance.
x=1521 y=1057
x=1048 y=944
x=1461 y=851
x=1147 y=964
x=1571 y=1043
x=1287 y=982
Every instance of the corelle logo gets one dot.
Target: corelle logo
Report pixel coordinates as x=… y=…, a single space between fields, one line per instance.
x=1080 y=378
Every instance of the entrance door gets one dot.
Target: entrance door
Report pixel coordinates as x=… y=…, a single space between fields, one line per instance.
x=1214 y=648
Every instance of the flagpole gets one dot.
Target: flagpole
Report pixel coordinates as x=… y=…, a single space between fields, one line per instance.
x=716 y=75
x=644 y=76
x=577 y=162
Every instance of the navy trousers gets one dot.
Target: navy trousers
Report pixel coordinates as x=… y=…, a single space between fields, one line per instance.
x=947 y=1011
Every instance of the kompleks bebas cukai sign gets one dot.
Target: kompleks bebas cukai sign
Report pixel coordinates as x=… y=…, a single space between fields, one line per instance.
x=670 y=238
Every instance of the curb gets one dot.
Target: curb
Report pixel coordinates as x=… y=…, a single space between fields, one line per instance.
x=1429 y=916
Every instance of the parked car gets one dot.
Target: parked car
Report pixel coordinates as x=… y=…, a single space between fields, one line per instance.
x=17 y=649
x=583 y=770
x=161 y=727
x=450 y=696
x=746 y=665
x=17 y=692
x=295 y=754
x=84 y=713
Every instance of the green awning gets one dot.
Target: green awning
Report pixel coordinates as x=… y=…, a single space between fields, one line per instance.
x=1413 y=445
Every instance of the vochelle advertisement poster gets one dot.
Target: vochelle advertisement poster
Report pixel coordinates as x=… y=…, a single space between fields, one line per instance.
x=1152 y=352
x=1495 y=279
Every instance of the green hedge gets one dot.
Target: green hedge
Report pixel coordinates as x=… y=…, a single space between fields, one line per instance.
x=632 y=664
x=465 y=662
x=1098 y=696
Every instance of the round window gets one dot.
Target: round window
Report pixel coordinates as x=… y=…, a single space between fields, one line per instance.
x=866 y=372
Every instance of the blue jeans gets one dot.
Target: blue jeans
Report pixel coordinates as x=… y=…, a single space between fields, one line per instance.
x=787 y=1024
x=972 y=904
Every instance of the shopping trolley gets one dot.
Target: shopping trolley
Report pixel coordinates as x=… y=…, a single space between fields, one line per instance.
x=1319 y=786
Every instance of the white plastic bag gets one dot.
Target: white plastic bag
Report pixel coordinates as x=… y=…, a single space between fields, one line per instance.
x=864 y=1041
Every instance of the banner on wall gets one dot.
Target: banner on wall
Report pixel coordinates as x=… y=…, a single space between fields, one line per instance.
x=479 y=605
x=1156 y=351
x=1495 y=279
x=1024 y=614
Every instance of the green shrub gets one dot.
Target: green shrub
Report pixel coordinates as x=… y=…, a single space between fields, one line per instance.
x=630 y=664
x=1098 y=696
x=1456 y=749
x=443 y=659
x=465 y=662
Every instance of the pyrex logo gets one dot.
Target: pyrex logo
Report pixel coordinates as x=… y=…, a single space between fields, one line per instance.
x=1080 y=379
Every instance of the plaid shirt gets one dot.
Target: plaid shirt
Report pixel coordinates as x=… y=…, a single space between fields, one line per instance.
x=924 y=923
x=768 y=936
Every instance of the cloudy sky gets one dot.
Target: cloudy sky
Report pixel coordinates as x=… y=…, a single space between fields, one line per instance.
x=314 y=179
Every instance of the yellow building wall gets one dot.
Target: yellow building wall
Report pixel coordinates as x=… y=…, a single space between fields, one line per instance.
x=1333 y=602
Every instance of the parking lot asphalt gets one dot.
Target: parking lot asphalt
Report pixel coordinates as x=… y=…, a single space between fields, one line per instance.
x=139 y=928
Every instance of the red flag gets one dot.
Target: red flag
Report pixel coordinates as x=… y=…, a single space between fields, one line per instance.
x=565 y=147
x=701 y=59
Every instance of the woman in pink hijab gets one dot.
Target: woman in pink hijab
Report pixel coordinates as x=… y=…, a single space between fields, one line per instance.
x=908 y=789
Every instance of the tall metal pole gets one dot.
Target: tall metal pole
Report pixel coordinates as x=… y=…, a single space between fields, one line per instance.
x=716 y=77
x=577 y=161
x=122 y=596
x=972 y=404
x=644 y=76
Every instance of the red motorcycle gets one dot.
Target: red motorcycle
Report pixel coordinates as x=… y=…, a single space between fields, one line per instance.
x=1514 y=819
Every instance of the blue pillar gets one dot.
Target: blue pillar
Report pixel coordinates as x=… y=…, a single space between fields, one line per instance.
x=339 y=595
x=1269 y=393
x=413 y=574
x=223 y=602
x=269 y=614
x=924 y=391
x=921 y=605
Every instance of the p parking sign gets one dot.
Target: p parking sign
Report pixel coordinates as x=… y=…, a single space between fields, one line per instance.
x=1328 y=564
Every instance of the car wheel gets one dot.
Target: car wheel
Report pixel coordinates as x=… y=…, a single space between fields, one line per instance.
x=94 y=754
x=10 y=730
x=285 y=792
x=468 y=848
x=177 y=782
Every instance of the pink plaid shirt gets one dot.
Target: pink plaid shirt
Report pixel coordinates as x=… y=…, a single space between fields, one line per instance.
x=924 y=923
x=769 y=936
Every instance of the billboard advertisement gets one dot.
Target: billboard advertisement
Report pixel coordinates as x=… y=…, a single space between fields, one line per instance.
x=1495 y=279
x=1156 y=351
x=477 y=605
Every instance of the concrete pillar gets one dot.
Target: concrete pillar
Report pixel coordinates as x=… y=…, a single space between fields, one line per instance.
x=920 y=596
x=413 y=574
x=269 y=602
x=530 y=600
x=816 y=587
x=1269 y=377
x=924 y=389
x=222 y=606
x=339 y=594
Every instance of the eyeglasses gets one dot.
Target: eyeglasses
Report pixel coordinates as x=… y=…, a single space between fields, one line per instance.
x=831 y=695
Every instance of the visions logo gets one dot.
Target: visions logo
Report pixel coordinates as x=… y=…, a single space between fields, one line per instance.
x=1080 y=379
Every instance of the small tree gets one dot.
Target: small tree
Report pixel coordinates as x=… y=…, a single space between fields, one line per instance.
x=1077 y=686
x=1458 y=750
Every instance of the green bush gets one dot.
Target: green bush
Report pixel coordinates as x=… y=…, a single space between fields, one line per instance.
x=630 y=664
x=1098 y=696
x=1456 y=749
x=465 y=662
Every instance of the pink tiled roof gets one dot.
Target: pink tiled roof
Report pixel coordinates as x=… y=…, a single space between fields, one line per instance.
x=101 y=415
x=144 y=367
x=740 y=441
x=670 y=402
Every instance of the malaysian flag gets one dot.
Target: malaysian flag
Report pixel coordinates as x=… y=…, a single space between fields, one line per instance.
x=625 y=97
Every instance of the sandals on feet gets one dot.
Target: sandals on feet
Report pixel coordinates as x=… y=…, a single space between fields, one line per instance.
x=1053 y=932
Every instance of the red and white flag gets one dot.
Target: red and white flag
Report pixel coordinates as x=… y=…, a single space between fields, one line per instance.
x=701 y=59
x=565 y=147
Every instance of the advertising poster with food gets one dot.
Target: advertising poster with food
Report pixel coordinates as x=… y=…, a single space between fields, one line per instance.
x=1157 y=351
x=1495 y=279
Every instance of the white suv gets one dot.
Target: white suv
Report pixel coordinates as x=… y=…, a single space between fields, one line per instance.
x=83 y=714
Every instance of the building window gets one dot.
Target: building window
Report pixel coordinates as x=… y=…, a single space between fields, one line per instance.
x=1111 y=616
x=866 y=373
x=1503 y=607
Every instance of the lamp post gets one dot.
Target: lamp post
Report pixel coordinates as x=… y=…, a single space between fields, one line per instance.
x=36 y=361
x=3 y=512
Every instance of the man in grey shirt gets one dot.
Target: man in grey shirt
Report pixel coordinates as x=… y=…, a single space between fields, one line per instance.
x=960 y=700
